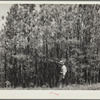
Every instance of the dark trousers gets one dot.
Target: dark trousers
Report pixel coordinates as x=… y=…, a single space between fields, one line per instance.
x=62 y=80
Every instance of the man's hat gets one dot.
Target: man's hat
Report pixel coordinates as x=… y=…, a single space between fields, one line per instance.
x=61 y=62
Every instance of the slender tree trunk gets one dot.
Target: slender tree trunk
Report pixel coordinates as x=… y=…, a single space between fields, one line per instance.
x=15 y=68
x=5 y=69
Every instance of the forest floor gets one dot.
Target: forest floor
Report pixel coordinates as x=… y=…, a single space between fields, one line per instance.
x=68 y=87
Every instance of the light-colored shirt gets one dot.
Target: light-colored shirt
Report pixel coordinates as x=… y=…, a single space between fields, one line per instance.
x=63 y=70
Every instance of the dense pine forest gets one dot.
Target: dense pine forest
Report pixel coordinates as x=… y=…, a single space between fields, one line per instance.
x=36 y=37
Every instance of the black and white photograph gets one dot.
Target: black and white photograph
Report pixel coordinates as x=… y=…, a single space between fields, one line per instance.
x=49 y=46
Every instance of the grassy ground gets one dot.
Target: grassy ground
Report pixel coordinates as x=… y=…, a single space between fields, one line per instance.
x=68 y=87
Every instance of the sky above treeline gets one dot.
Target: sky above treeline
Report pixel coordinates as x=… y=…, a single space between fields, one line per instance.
x=4 y=8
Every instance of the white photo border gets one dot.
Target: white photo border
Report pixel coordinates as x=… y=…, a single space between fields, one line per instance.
x=49 y=94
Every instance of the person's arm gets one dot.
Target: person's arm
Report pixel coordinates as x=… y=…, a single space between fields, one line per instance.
x=61 y=71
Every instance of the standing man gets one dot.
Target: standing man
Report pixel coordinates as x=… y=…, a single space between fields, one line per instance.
x=62 y=73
